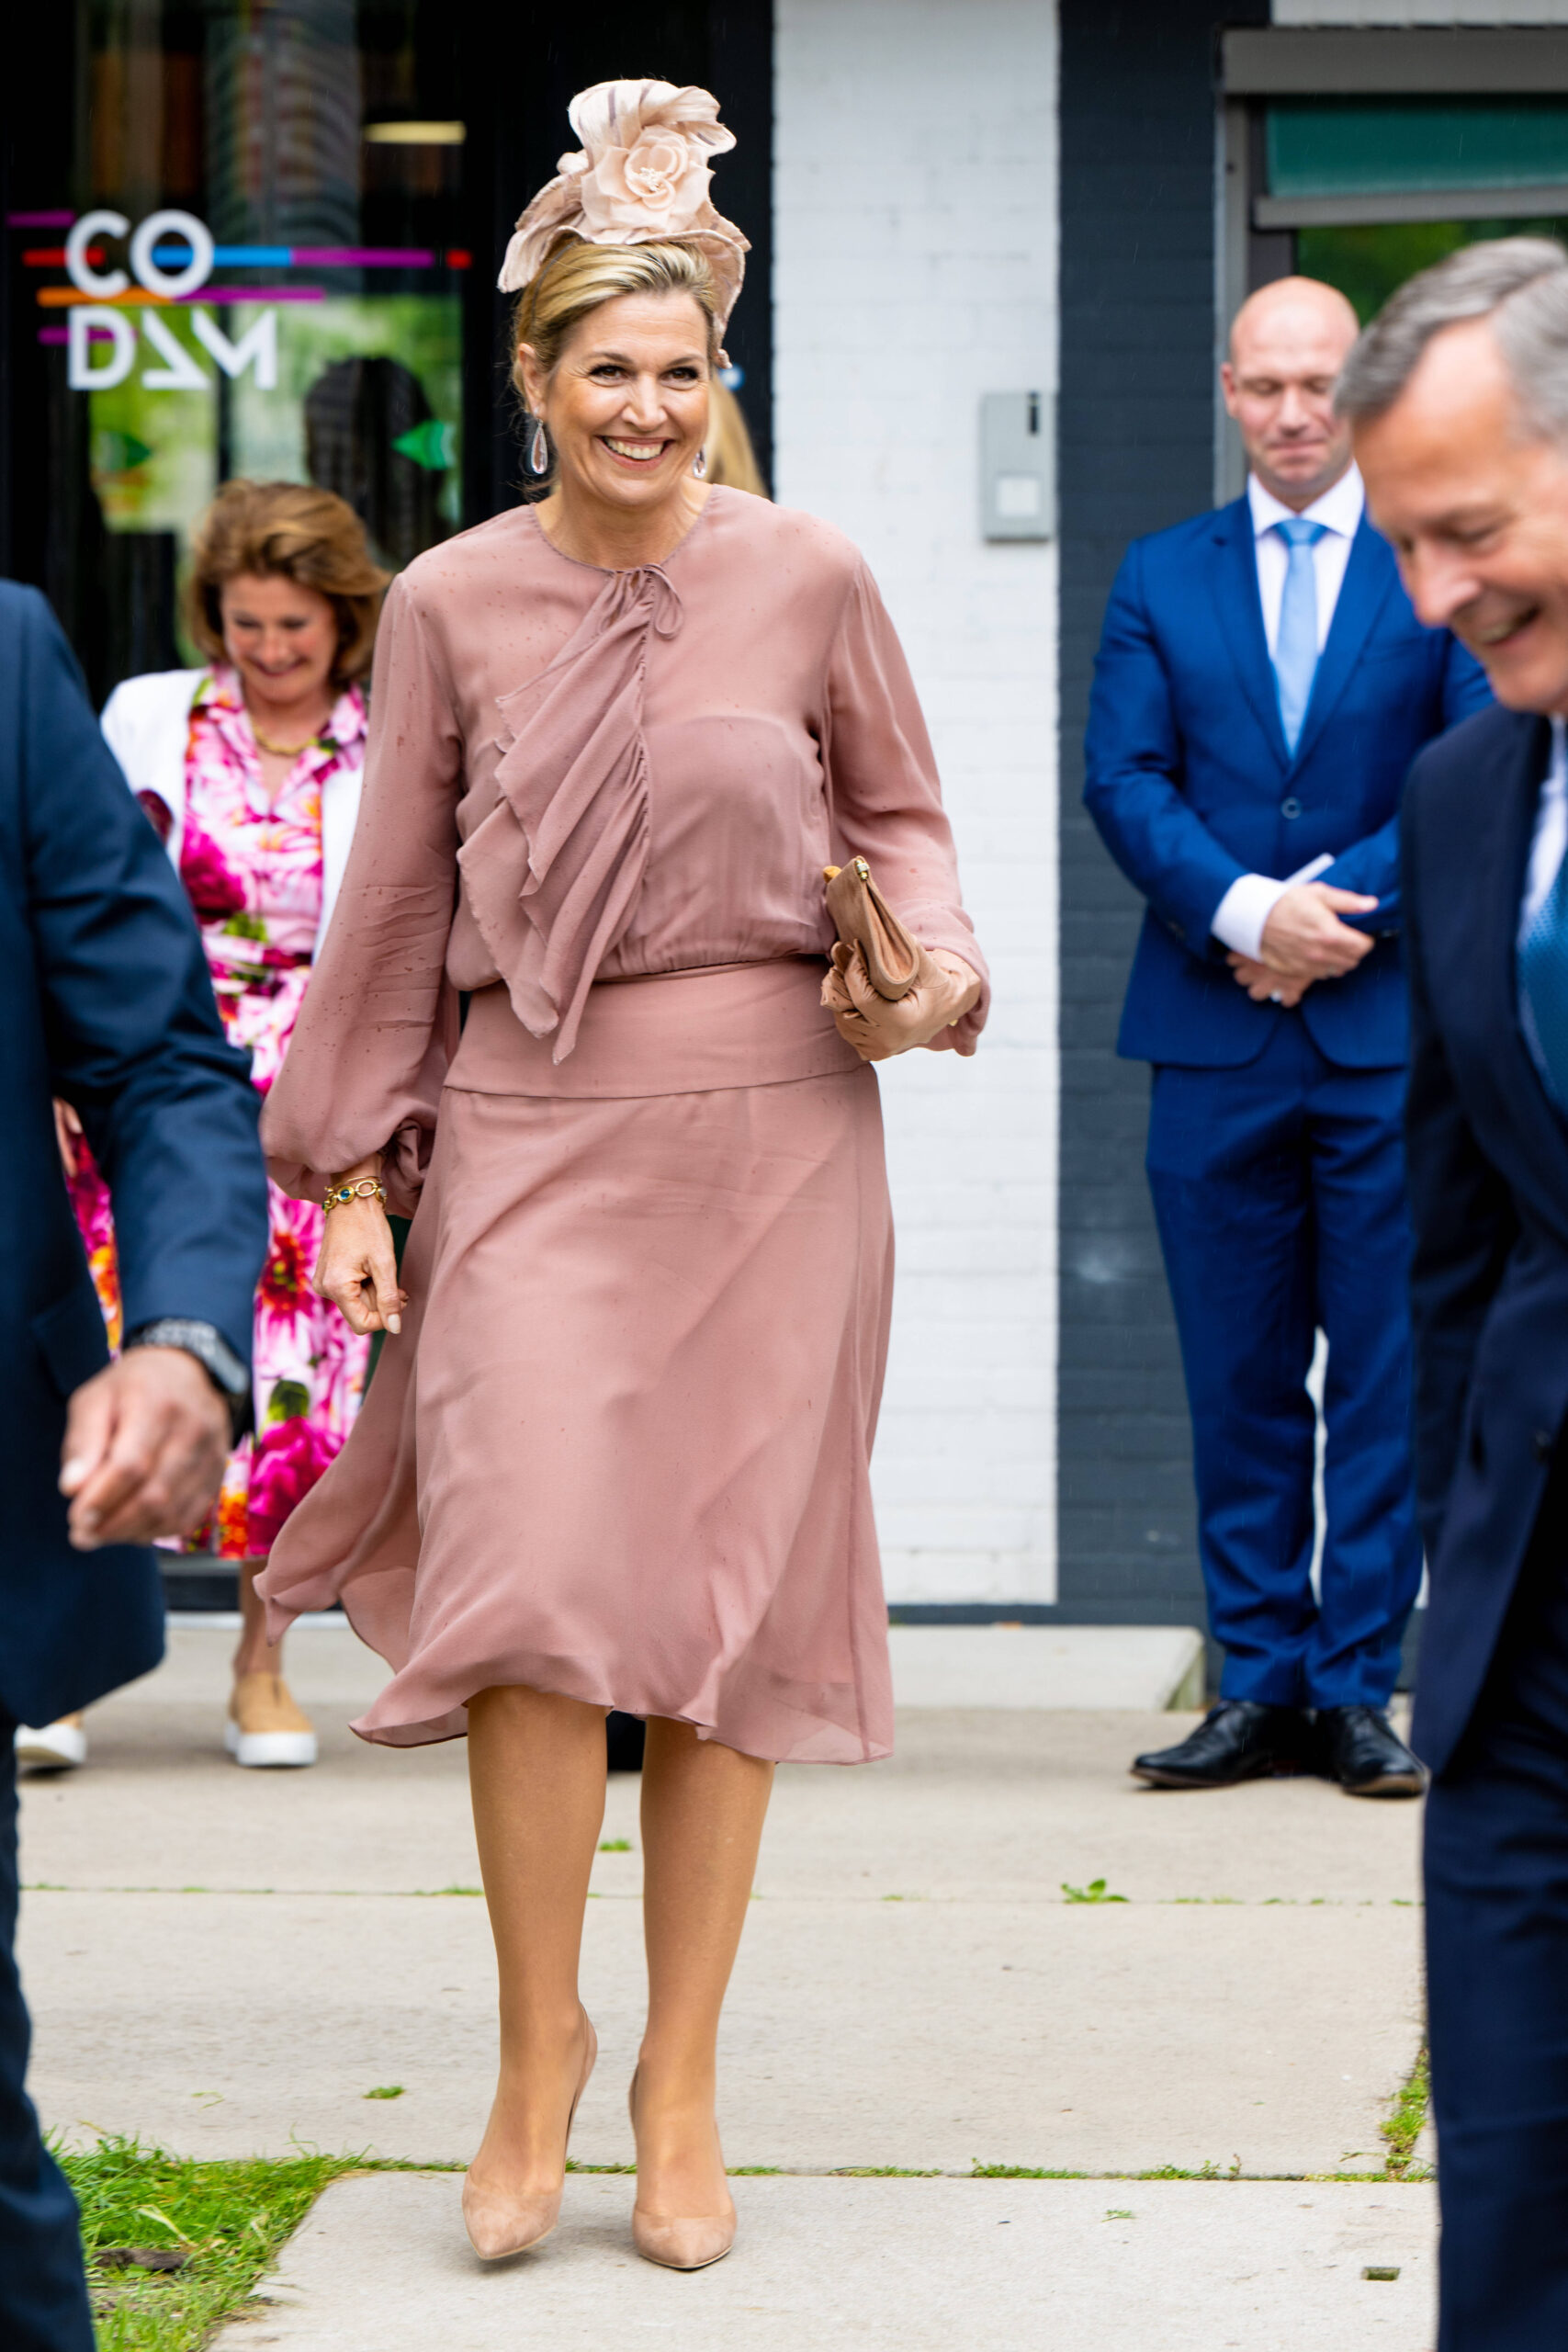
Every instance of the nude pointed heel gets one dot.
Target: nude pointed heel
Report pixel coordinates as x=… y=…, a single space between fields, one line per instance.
x=499 y=2225
x=687 y=2243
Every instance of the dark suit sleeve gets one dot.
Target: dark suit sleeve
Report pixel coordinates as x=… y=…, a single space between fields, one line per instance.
x=1133 y=754
x=1463 y=1218
x=1372 y=867
x=134 y=1040
x=1373 y=864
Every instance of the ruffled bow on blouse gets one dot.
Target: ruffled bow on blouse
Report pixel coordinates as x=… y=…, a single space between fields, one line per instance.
x=553 y=874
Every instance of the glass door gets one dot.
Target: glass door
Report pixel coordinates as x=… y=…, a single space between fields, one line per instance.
x=252 y=268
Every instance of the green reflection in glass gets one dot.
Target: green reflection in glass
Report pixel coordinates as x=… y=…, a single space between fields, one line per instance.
x=420 y=334
x=154 y=453
x=1368 y=263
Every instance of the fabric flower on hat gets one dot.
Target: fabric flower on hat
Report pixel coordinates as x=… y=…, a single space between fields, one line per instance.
x=641 y=177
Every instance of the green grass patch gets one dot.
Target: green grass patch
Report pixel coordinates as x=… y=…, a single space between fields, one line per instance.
x=977 y=2171
x=615 y=1845
x=1402 y=2127
x=386 y=2090
x=222 y=2224
x=1095 y=1892
x=881 y=2172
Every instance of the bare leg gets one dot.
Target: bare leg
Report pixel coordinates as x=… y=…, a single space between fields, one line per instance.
x=536 y=1777
x=702 y=1809
x=255 y=1654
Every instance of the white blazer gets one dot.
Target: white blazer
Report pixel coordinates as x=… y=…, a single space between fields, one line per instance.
x=146 y=724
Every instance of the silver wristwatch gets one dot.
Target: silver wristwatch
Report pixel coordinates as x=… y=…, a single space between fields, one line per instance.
x=212 y=1352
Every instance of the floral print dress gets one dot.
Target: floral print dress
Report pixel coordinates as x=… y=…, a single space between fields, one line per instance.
x=252 y=871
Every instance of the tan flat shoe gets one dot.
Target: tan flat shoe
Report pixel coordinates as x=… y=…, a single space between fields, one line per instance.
x=687 y=2242
x=500 y=2226
x=264 y=1726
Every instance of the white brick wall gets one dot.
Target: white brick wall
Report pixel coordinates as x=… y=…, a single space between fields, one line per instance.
x=916 y=244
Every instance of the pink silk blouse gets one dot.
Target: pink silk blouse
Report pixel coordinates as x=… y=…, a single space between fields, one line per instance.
x=578 y=775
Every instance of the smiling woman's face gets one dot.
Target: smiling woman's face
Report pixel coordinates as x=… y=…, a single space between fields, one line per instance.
x=282 y=638
x=627 y=403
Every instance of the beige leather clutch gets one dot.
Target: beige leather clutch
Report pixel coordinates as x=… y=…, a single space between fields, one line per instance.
x=893 y=961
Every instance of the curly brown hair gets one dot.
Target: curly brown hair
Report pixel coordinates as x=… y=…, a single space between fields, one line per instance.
x=286 y=530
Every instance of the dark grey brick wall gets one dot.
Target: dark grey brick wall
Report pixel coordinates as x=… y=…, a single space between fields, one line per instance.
x=1136 y=425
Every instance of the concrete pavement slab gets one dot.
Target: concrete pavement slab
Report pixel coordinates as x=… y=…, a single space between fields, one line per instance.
x=859 y=2032
x=160 y=1804
x=1142 y=1668
x=1002 y=1804
x=872 y=2266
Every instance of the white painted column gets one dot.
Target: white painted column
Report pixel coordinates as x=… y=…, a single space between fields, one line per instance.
x=915 y=229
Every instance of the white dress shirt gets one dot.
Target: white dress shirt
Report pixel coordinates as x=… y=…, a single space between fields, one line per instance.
x=1547 y=847
x=1550 y=837
x=1247 y=906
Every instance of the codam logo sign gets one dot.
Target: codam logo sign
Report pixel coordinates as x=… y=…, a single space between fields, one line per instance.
x=171 y=256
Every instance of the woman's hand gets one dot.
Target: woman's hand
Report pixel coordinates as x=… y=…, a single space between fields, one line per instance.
x=877 y=1029
x=357 y=1268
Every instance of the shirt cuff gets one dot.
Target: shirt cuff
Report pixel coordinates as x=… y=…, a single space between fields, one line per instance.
x=1241 y=914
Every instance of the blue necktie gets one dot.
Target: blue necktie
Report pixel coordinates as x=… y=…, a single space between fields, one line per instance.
x=1295 y=646
x=1543 y=978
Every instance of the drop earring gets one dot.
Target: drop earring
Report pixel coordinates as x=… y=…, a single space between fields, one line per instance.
x=539 y=450
x=700 y=464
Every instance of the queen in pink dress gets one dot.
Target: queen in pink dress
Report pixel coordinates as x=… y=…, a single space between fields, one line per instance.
x=616 y=1453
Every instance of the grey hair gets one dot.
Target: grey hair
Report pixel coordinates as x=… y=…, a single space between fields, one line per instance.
x=1520 y=283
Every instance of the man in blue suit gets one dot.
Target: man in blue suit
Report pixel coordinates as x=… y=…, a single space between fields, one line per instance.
x=1459 y=393
x=1261 y=689
x=107 y=1005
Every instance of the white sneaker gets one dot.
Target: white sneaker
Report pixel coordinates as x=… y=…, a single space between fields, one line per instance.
x=56 y=1747
x=264 y=1726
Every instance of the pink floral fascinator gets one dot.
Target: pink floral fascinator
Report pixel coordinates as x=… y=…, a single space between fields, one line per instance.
x=641 y=177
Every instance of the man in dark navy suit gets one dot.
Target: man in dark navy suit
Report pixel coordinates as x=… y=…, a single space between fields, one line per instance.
x=107 y=1006
x=1261 y=689
x=1459 y=394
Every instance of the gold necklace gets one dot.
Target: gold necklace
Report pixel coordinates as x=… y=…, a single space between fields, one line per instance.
x=281 y=750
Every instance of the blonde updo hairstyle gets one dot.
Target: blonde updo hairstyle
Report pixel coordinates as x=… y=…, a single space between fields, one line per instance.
x=580 y=278
x=285 y=531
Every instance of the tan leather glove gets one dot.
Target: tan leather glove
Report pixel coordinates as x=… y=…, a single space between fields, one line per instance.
x=877 y=1029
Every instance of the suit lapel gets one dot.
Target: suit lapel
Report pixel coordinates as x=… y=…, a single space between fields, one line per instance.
x=1370 y=575
x=1234 y=585
x=1497 y=903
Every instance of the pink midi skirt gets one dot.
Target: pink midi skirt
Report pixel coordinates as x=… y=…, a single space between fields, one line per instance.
x=620 y=1450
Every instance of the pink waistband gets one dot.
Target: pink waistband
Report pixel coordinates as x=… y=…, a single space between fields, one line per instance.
x=671 y=1033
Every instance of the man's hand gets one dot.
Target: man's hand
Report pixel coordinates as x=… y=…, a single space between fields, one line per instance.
x=878 y=1029
x=145 y=1445
x=1265 y=986
x=1304 y=938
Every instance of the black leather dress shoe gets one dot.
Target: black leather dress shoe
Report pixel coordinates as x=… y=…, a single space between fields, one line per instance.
x=1362 y=1751
x=1239 y=1739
